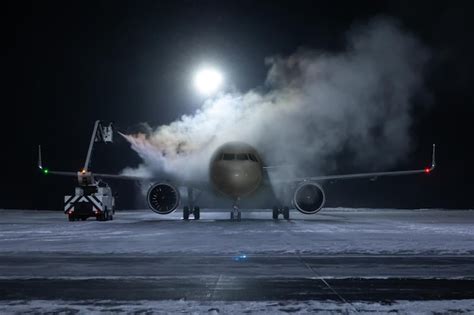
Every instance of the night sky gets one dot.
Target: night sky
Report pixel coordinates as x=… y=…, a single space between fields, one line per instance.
x=68 y=64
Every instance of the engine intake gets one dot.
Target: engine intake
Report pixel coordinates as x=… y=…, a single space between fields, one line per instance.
x=309 y=198
x=163 y=198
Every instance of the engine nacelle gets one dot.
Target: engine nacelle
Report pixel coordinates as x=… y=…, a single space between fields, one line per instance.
x=309 y=198
x=163 y=198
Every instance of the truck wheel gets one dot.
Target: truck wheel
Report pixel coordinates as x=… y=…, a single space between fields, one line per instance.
x=185 y=213
x=275 y=213
x=70 y=217
x=102 y=217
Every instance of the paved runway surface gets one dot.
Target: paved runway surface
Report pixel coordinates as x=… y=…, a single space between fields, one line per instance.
x=43 y=265
x=346 y=256
x=237 y=289
x=225 y=278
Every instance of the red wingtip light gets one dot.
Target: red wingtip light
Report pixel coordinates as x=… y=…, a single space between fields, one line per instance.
x=427 y=170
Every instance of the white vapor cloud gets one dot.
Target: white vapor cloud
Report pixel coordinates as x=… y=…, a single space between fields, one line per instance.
x=315 y=104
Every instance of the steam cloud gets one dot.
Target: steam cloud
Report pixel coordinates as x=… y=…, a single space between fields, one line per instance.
x=315 y=105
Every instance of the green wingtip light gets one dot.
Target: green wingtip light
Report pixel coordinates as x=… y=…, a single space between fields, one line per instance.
x=45 y=171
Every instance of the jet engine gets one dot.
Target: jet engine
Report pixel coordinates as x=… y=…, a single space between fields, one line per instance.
x=309 y=198
x=163 y=198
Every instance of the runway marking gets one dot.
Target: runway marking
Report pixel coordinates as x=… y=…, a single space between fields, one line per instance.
x=319 y=277
x=215 y=287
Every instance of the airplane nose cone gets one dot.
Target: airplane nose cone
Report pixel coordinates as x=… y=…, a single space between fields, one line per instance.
x=235 y=180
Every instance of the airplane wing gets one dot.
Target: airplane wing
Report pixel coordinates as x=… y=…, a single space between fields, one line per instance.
x=372 y=175
x=85 y=175
x=98 y=175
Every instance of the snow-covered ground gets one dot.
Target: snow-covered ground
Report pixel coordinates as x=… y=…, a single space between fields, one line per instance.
x=244 y=307
x=331 y=231
x=41 y=252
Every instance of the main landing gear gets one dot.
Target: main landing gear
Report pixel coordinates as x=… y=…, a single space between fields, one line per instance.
x=195 y=211
x=285 y=211
x=191 y=209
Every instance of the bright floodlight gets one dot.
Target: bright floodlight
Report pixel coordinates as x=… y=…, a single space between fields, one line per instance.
x=207 y=81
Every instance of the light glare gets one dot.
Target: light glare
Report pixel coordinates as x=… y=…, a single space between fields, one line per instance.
x=208 y=81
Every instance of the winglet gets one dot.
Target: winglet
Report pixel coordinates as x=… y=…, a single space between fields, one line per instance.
x=40 y=163
x=433 y=158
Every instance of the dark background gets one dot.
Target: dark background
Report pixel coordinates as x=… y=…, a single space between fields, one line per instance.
x=68 y=64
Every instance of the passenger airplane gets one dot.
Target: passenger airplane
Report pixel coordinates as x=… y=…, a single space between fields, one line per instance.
x=236 y=170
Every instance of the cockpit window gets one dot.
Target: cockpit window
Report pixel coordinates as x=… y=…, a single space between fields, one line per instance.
x=242 y=156
x=228 y=156
x=252 y=157
x=238 y=157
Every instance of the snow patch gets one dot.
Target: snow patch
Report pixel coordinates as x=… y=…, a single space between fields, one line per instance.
x=239 y=307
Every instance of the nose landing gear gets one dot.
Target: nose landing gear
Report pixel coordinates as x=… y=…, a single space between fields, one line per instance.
x=236 y=214
x=285 y=211
x=191 y=209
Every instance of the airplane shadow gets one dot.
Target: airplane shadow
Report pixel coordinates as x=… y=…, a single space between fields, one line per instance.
x=321 y=219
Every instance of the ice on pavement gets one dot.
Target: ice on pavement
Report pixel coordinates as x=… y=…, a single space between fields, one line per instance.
x=331 y=231
x=242 y=307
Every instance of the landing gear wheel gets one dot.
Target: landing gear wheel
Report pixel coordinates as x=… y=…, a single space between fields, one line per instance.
x=71 y=218
x=83 y=218
x=286 y=213
x=235 y=215
x=185 y=213
x=197 y=213
x=275 y=213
